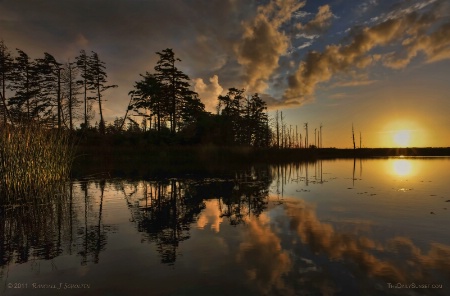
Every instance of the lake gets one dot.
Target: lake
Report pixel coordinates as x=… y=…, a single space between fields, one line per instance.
x=331 y=227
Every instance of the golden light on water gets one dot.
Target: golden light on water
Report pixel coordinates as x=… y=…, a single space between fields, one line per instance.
x=402 y=167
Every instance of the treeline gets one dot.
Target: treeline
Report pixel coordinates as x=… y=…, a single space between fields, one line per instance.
x=49 y=92
x=163 y=108
x=165 y=105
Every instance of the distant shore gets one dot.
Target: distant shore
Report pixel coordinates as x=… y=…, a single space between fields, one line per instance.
x=143 y=160
x=327 y=153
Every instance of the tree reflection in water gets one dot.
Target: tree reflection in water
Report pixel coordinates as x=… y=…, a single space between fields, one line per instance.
x=93 y=233
x=54 y=226
x=274 y=239
x=33 y=230
x=164 y=210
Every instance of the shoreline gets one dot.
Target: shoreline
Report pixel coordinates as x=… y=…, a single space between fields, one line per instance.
x=143 y=160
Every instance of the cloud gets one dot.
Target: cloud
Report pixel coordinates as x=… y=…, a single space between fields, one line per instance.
x=126 y=34
x=322 y=238
x=263 y=43
x=263 y=257
x=210 y=215
x=338 y=59
x=338 y=96
x=435 y=47
x=366 y=6
x=304 y=45
x=354 y=83
x=401 y=9
x=320 y=23
x=208 y=93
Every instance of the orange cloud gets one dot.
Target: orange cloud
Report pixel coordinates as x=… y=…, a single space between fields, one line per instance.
x=211 y=215
x=413 y=267
x=412 y=28
x=208 y=93
x=263 y=42
x=262 y=255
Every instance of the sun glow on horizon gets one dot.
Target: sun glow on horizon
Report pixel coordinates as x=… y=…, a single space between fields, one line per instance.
x=403 y=133
x=402 y=138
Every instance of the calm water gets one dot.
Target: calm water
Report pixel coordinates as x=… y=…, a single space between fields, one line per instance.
x=370 y=227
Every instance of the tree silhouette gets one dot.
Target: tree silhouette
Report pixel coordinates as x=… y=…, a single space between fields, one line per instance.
x=70 y=92
x=256 y=122
x=165 y=95
x=175 y=86
x=147 y=99
x=6 y=72
x=25 y=83
x=83 y=64
x=230 y=107
x=98 y=83
x=49 y=71
x=245 y=118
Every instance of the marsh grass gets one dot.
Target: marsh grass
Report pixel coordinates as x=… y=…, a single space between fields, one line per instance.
x=33 y=159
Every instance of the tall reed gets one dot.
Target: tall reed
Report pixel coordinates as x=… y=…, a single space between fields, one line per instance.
x=32 y=159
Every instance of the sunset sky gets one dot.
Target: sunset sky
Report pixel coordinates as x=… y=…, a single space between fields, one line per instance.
x=383 y=66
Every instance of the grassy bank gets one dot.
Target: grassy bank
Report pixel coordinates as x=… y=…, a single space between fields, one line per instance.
x=32 y=160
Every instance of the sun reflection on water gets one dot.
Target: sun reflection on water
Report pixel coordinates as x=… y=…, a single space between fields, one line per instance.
x=402 y=167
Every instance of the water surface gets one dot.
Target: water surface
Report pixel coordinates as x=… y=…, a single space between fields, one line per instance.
x=344 y=227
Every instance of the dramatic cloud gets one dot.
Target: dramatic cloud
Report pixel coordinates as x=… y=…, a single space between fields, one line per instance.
x=412 y=28
x=263 y=42
x=261 y=46
x=126 y=35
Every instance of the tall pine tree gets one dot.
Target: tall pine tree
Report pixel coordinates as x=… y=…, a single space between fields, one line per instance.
x=148 y=101
x=49 y=71
x=175 y=85
x=83 y=65
x=6 y=72
x=25 y=83
x=98 y=84
x=70 y=92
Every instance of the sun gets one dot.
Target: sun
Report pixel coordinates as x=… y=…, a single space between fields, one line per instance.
x=402 y=138
x=402 y=133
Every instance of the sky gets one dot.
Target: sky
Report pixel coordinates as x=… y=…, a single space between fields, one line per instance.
x=382 y=66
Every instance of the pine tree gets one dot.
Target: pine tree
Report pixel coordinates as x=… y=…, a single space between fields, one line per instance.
x=82 y=62
x=25 y=83
x=49 y=72
x=70 y=91
x=6 y=72
x=232 y=104
x=175 y=85
x=259 y=122
x=148 y=101
x=97 y=84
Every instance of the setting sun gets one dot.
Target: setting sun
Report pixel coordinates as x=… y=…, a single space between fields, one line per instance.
x=402 y=138
x=403 y=133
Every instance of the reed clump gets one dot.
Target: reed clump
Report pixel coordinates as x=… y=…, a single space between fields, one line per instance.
x=33 y=159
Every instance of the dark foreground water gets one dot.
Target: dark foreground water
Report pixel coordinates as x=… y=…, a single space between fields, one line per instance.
x=370 y=227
